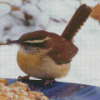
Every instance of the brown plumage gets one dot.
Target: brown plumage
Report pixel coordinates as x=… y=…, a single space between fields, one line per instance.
x=46 y=55
x=62 y=50
x=76 y=22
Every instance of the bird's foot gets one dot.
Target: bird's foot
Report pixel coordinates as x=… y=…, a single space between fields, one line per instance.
x=20 y=78
x=48 y=81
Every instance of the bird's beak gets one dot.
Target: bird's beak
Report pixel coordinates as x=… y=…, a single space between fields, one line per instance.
x=13 y=42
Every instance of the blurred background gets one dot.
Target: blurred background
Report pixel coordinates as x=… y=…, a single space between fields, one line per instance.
x=18 y=17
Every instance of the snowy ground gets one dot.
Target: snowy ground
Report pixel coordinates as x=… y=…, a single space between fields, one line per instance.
x=85 y=67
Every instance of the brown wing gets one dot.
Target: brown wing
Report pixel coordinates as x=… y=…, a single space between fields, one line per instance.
x=63 y=51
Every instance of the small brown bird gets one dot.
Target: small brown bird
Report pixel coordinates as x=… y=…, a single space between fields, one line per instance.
x=46 y=55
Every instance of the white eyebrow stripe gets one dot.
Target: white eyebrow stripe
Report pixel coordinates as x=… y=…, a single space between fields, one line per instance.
x=37 y=41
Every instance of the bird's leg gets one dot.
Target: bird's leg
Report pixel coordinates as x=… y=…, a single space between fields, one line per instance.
x=48 y=81
x=20 y=78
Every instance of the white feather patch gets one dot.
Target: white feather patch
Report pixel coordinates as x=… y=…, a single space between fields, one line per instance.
x=37 y=41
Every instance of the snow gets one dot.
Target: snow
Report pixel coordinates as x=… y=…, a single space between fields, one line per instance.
x=85 y=66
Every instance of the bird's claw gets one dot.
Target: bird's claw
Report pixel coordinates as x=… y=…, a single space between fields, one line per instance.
x=20 y=78
x=48 y=82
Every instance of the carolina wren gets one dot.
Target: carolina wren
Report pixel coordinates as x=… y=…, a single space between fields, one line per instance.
x=46 y=55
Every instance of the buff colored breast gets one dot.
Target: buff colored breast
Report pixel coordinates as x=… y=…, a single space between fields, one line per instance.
x=41 y=66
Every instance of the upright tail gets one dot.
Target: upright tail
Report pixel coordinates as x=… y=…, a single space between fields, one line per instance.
x=76 y=22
